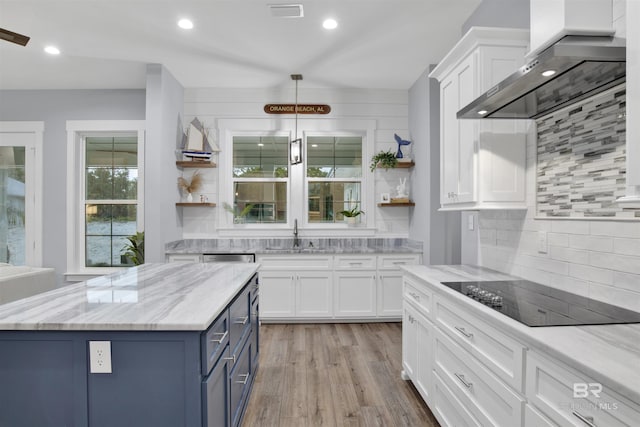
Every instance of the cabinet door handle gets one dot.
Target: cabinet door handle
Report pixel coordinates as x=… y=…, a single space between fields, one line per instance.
x=464 y=332
x=587 y=420
x=244 y=381
x=463 y=381
x=232 y=358
x=242 y=320
x=224 y=335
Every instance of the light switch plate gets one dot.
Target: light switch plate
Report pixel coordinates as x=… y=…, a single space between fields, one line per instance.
x=470 y=222
x=542 y=242
x=100 y=357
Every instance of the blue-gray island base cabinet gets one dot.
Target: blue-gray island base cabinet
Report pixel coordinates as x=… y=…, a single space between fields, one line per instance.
x=183 y=349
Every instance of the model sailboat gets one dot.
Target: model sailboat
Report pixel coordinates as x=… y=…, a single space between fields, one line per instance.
x=196 y=145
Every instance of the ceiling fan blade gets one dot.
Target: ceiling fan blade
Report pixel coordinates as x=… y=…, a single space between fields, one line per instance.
x=12 y=37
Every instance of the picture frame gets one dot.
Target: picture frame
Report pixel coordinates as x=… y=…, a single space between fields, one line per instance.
x=385 y=198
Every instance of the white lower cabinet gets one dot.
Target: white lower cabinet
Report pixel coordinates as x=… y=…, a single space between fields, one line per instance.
x=355 y=293
x=571 y=398
x=482 y=376
x=314 y=294
x=349 y=287
x=277 y=294
x=417 y=345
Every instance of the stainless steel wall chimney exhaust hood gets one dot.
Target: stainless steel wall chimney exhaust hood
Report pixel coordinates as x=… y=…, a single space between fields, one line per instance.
x=573 y=69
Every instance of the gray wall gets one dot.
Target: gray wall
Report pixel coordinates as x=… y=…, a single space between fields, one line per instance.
x=54 y=108
x=499 y=13
x=165 y=104
x=439 y=231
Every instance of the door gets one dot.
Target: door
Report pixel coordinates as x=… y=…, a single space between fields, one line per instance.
x=390 y=294
x=277 y=294
x=355 y=294
x=313 y=294
x=21 y=193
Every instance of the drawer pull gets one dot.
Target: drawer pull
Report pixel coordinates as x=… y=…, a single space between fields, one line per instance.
x=415 y=296
x=232 y=358
x=463 y=381
x=399 y=262
x=463 y=332
x=224 y=335
x=587 y=420
x=242 y=320
x=355 y=263
x=244 y=381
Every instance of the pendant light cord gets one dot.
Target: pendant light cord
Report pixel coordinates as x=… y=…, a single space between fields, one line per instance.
x=296 y=110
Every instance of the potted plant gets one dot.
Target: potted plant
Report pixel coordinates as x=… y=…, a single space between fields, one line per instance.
x=383 y=159
x=134 y=250
x=238 y=216
x=351 y=215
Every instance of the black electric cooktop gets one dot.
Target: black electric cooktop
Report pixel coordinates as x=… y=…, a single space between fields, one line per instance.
x=538 y=305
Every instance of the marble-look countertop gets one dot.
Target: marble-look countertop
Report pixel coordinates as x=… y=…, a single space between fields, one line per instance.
x=610 y=354
x=164 y=297
x=285 y=246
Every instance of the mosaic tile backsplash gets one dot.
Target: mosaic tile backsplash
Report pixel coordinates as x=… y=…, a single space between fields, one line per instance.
x=581 y=166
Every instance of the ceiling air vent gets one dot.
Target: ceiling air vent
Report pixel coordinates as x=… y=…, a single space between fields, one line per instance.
x=286 y=10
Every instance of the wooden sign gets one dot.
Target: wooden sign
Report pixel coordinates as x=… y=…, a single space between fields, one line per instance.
x=302 y=109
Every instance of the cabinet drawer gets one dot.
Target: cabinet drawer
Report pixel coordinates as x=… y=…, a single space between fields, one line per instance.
x=533 y=418
x=388 y=262
x=420 y=296
x=214 y=341
x=490 y=400
x=570 y=398
x=503 y=355
x=294 y=262
x=239 y=320
x=185 y=258
x=448 y=409
x=240 y=378
x=354 y=262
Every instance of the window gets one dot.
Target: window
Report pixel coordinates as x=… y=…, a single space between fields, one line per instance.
x=260 y=179
x=21 y=193
x=334 y=176
x=106 y=187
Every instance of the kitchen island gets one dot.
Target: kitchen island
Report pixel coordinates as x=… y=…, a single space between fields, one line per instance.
x=182 y=349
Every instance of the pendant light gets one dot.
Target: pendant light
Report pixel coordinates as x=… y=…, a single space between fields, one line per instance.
x=295 y=147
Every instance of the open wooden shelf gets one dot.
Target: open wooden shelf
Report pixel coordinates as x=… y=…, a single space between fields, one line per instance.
x=191 y=164
x=207 y=204
x=400 y=165
x=384 y=205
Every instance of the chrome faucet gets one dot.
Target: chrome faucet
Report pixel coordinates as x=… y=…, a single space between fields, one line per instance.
x=296 y=241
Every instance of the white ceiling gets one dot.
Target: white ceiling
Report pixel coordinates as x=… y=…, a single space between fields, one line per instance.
x=235 y=43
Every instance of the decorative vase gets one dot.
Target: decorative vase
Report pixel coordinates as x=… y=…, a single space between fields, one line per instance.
x=189 y=198
x=351 y=220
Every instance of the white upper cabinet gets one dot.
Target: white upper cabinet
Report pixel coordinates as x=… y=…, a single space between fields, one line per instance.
x=482 y=162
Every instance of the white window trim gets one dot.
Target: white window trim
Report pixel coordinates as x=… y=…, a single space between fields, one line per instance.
x=77 y=130
x=34 y=175
x=297 y=206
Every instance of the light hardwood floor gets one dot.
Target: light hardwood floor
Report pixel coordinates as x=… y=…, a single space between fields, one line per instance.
x=333 y=375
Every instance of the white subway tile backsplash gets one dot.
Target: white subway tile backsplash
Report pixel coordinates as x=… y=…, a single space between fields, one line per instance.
x=570 y=227
x=627 y=246
x=616 y=228
x=594 y=274
x=573 y=256
x=591 y=243
x=627 y=281
x=624 y=263
x=558 y=239
x=615 y=296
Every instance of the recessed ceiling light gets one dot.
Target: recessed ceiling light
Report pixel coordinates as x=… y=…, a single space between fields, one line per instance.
x=52 y=50
x=548 y=73
x=261 y=145
x=185 y=24
x=482 y=112
x=330 y=24
x=314 y=145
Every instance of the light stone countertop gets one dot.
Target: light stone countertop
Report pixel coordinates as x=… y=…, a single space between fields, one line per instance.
x=162 y=297
x=275 y=246
x=610 y=354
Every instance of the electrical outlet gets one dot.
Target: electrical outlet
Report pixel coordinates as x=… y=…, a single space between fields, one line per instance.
x=100 y=357
x=542 y=242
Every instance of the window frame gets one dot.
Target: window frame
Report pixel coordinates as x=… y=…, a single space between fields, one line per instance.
x=77 y=132
x=34 y=188
x=364 y=196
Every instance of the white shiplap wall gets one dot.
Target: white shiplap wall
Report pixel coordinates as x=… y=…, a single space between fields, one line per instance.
x=598 y=258
x=388 y=109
